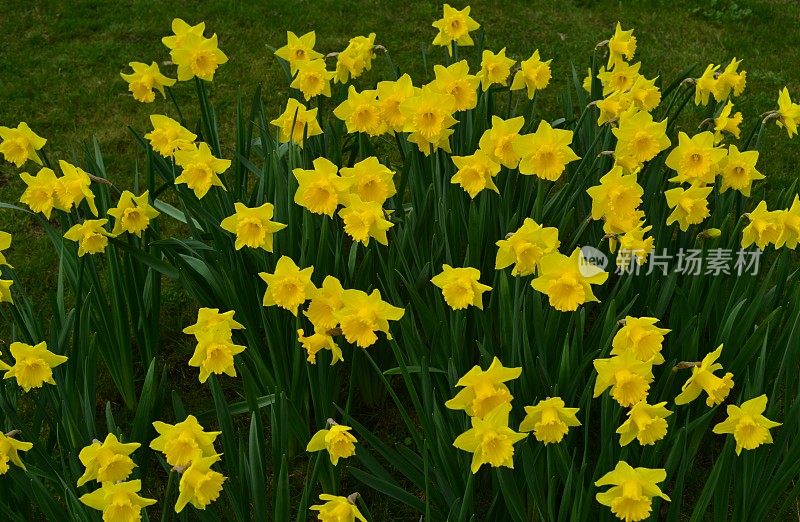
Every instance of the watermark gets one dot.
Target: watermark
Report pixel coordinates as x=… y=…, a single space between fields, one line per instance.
x=689 y=261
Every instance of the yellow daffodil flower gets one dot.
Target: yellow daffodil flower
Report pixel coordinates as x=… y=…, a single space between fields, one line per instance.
x=33 y=365
x=74 y=187
x=461 y=287
x=212 y=324
x=317 y=342
x=526 y=247
x=475 y=173
x=215 y=355
x=490 y=440
x=705 y=85
x=628 y=377
x=365 y=314
x=132 y=213
x=144 y=79
x=9 y=452
x=456 y=81
x=788 y=114
x=454 y=26
x=495 y=68
x=621 y=77
x=197 y=56
x=299 y=50
x=621 y=46
x=313 y=79
x=91 y=236
x=791 y=225
x=747 y=424
x=766 y=227
x=549 y=420
x=690 y=205
x=41 y=192
x=641 y=337
x=320 y=190
x=325 y=302
x=390 y=95
x=632 y=490
x=639 y=139
x=200 y=169
x=644 y=94
x=738 y=170
x=5 y=293
x=355 y=58
x=695 y=160
x=296 y=123
x=119 y=502
x=617 y=193
x=337 y=509
x=546 y=152
x=361 y=112
x=730 y=80
x=534 y=75
x=200 y=485
x=370 y=180
x=289 y=286
x=728 y=122
x=484 y=390
x=645 y=423
x=21 y=143
x=253 y=226
x=703 y=379
x=184 y=442
x=429 y=118
x=567 y=280
x=181 y=30
x=337 y=441
x=5 y=243
x=169 y=136
x=364 y=220
x=498 y=140
x=107 y=461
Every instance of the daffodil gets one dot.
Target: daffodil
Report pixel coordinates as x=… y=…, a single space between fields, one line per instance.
x=296 y=123
x=181 y=31
x=546 y=152
x=791 y=225
x=567 y=280
x=695 y=160
x=728 y=122
x=644 y=94
x=549 y=420
x=632 y=490
x=690 y=205
x=325 y=303
x=200 y=485
x=641 y=337
x=313 y=79
x=5 y=293
x=634 y=245
x=299 y=51
x=253 y=227
x=91 y=236
x=361 y=112
x=390 y=95
x=337 y=509
x=212 y=324
x=215 y=355
x=490 y=440
x=41 y=192
x=620 y=77
x=33 y=365
x=74 y=187
x=144 y=79
x=475 y=173
x=765 y=227
x=738 y=170
x=132 y=213
x=639 y=139
x=320 y=190
x=705 y=85
x=456 y=81
x=533 y=75
x=454 y=26
x=704 y=380
x=788 y=114
x=484 y=390
x=355 y=58
x=613 y=106
x=5 y=243
x=365 y=220
x=495 y=68
x=627 y=376
x=645 y=423
x=119 y=502
x=289 y=286
x=336 y=440
x=730 y=80
x=498 y=140
x=747 y=424
x=370 y=180
x=525 y=247
x=365 y=314
x=9 y=452
x=461 y=287
x=184 y=442
x=169 y=136
x=107 y=461
x=200 y=169
x=317 y=342
x=429 y=118
x=197 y=56
x=20 y=144
x=621 y=46
x=617 y=193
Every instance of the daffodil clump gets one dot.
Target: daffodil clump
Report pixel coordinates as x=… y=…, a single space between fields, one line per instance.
x=510 y=306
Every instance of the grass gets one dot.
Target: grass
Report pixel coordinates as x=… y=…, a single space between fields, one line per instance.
x=62 y=62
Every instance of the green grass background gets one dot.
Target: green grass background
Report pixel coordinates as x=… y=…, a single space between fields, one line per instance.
x=60 y=63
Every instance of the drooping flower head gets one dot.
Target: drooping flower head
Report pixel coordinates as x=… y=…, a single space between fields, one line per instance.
x=356 y=58
x=747 y=424
x=704 y=380
x=9 y=452
x=253 y=227
x=641 y=337
x=20 y=144
x=337 y=441
x=621 y=46
x=200 y=485
x=791 y=225
x=632 y=491
x=788 y=113
x=132 y=214
x=215 y=355
x=169 y=136
x=119 y=502
x=33 y=365
x=484 y=390
x=317 y=342
x=337 y=509
x=74 y=187
x=765 y=228
x=567 y=280
x=490 y=440
x=145 y=80
x=690 y=206
x=549 y=420
x=628 y=377
x=91 y=236
x=728 y=122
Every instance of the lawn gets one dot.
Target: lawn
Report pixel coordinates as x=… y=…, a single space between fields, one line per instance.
x=61 y=63
x=60 y=68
